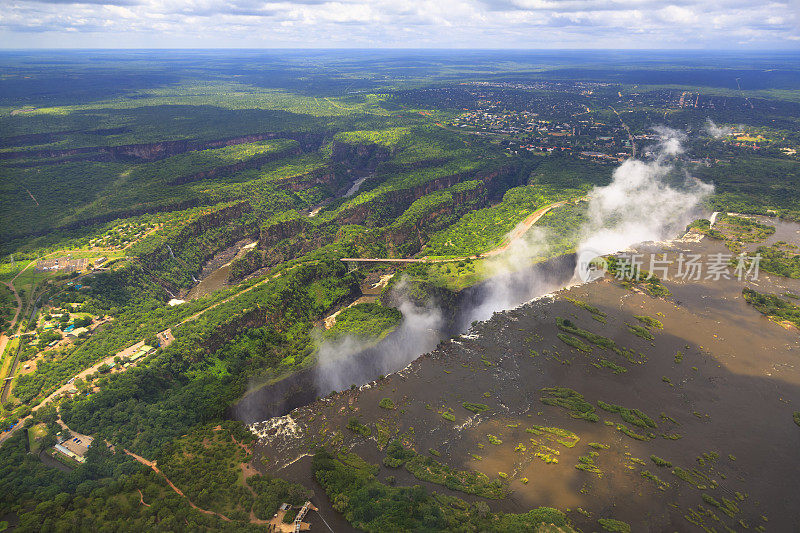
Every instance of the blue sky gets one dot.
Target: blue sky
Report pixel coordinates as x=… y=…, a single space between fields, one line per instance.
x=627 y=24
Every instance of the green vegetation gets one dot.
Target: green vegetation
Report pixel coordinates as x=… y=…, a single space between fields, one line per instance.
x=631 y=276
x=726 y=506
x=649 y=322
x=494 y=440
x=570 y=400
x=567 y=326
x=8 y=305
x=781 y=258
x=614 y=367
x=586 y=463
x=622 y=428
x=583 y=305
x=389 y=137
x=117 y=484
x=485 y=229
x=365 y=321
x=562 y=436
x=475 y=407
x=387 y=403
x=773 y=306
x=617 y=526
x=36 y=435
x=660 y=462
x=694 y=477
x=144 y=407
x=632 y=416
x=372 y=506
x=428 y=469
x=796 y=417
x=545 y=453
x=661 y=484
x=166 y=173
x=575 y=343
x=206 y=466
x=355 y=425
x=736 y=231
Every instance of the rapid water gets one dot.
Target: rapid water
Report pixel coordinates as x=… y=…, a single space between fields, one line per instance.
x=406 y=343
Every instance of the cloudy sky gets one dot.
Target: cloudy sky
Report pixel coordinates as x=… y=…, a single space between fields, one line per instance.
x=714 y=24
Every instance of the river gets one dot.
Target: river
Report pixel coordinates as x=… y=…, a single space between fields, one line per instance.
x=413 y=338
x=215 y=274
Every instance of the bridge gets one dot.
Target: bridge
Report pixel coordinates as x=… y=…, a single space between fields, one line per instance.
x=516 y=233
x=352 y=262
x=298 y=520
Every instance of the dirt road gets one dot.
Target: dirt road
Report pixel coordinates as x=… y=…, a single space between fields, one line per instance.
x=515 y=235
x=522 y=228
x=166 y=337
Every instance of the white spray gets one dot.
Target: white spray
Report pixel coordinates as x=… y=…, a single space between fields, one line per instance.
x=350 y=360
x=715 y=131
x=645 y=201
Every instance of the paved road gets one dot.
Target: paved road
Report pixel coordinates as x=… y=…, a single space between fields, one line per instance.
x=630 y=135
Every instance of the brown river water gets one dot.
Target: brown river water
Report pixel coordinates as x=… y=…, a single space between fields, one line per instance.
x=730 y=394
x=215 y=274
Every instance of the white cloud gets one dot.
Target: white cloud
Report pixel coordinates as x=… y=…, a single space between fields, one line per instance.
x=402 y=23
x=677 y=15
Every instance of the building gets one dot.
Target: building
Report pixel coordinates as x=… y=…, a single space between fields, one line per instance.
x=74 y=446
x=141 y=352
x=65 y=264
x=76 y=331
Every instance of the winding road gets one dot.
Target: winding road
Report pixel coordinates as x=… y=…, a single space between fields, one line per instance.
x=515 y=234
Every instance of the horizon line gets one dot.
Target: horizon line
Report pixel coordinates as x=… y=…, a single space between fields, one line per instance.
x=396 y=49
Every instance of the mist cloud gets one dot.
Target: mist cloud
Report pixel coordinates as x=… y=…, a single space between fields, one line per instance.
x=645 y=201
x=715 y=131
x=349 y=361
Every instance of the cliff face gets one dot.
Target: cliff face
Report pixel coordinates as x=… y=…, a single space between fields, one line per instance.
x=496 y=183
x=256 y=162
x=254 y=318
x=283 y=250
x=408 y=239
x=395 y=201
x=274 y=233
x=245 y=265
x=390 y=166
x=198 y=241
x=295 y=247
x=160 y=150
x=359 y=156
x=285 y=233
x=332 y=177
x=215 y=219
